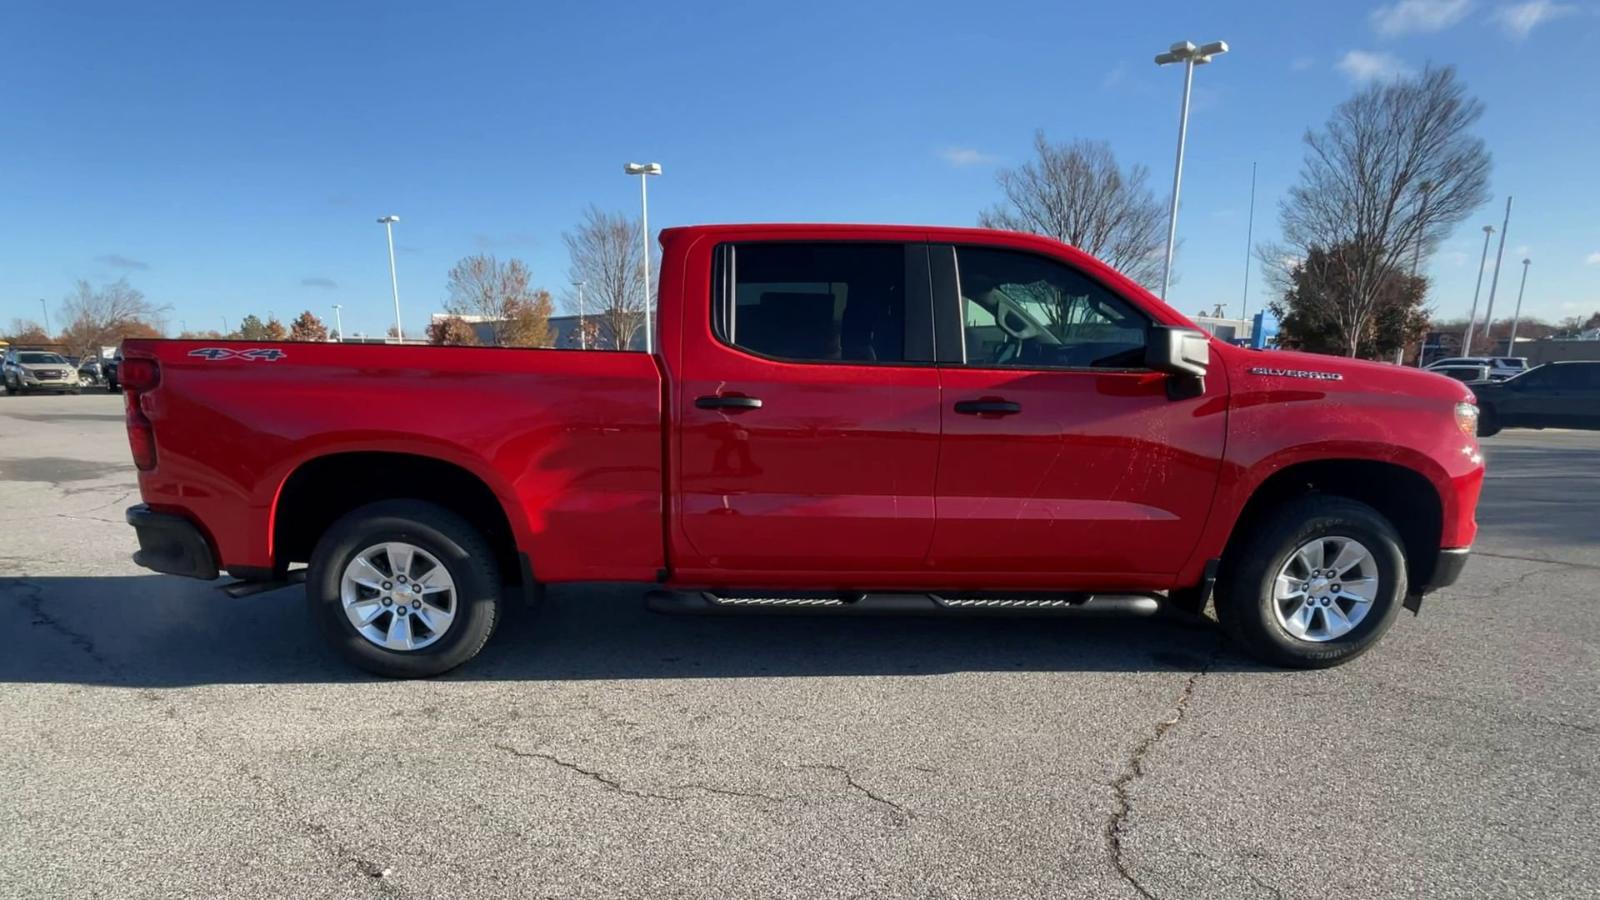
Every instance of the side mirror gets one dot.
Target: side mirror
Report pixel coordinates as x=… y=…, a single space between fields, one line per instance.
x=1183 y=353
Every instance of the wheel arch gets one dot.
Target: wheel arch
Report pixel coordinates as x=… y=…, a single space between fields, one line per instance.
x=321 y=489
x=1403 y=495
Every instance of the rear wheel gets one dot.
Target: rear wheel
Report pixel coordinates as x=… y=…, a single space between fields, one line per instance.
x=404 y=588
x=1317 y=584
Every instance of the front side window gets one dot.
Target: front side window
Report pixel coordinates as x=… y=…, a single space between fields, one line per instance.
x=807 y=302
x=1026 y=311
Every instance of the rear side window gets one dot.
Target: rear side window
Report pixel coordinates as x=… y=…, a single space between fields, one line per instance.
x=808 y=302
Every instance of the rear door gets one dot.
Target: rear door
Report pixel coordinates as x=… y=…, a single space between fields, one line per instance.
x=1062 y=454
x=809 y=411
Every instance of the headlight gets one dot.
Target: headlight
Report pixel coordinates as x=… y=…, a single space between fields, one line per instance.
x=1467 y=418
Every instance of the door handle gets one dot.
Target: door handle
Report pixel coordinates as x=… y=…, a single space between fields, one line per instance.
x=729 y=402
x=988 y=407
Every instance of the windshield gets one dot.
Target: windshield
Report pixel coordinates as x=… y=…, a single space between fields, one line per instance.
x=37 y=359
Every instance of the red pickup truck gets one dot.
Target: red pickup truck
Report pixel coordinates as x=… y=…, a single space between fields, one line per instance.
x=838 y=418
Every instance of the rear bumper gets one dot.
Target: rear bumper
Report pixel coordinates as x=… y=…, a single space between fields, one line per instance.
x=1446 y=568
x=171 y=544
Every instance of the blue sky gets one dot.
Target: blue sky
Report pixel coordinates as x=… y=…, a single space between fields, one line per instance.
x=232 y=158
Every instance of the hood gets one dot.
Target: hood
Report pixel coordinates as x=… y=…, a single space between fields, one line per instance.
x=1357 y=374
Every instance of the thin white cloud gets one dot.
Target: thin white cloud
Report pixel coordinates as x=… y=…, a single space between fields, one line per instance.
x=1408 y=16
x=966 y=156
x=1302 y=63
x=1520 y=19
x=1370 y=65
x=1592 y=259
x=1115 y=76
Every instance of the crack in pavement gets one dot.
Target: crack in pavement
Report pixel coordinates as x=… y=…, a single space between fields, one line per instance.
x=1276 y=891
x=1536 y=559
x=32 y=600
x=903 y=813
x=320 y=834
x=1133 y=770
x=596 y=776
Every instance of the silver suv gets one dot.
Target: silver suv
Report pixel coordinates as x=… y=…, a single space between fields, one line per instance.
x=39 y=370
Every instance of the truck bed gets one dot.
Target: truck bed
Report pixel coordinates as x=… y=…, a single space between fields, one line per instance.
x=570 y=442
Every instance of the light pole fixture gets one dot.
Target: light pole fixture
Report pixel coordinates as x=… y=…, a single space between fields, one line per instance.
x=644 y=171
x=394 y=281
x=1494 y=280
x=338 y=322
x=1191 y=56
x=1511 y=344
x=583 y=333
x=1472 y=317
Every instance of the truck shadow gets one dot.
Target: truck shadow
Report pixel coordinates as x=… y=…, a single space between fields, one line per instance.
x=155 y=631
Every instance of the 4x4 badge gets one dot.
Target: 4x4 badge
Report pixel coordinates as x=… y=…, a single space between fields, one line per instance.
x=270 y=354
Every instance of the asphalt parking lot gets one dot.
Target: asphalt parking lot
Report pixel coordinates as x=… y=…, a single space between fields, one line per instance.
x=158 y=739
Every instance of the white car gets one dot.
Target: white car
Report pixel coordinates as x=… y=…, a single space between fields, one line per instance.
x=1463 y=372
x=39 y=370
x=1500 y=367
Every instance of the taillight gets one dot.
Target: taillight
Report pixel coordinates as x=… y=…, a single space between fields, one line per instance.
x=137 y=376
x=141 y=435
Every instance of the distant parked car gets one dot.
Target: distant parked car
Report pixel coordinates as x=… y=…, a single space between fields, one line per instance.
x=89 y=372
x=38 y=370
x=1500 y=367
x=108 y=372
x=1463 y=372
x=1554 y=395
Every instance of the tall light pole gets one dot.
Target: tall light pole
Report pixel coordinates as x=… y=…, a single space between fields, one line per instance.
x=1472 y=317
x=1494 y=282
x=1191 y=56
x=583 y=332
x=338 y=322
x=43 y=306
x=394 y=281
x=1416 y=262
x=1511 y=345
x=1249 y=235
x=644 y=171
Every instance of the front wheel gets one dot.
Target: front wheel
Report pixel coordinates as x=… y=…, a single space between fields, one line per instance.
x=404 y=588
x=1317 y=585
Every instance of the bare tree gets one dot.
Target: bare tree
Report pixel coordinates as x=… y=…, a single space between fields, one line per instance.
x=1392 y=172
x=605 y=254
x=103 y=317
x=1076 y=193
x=501 y=295
x=27 y=331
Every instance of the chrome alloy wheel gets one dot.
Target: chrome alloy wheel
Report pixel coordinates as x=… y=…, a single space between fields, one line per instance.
x=398 y=596
x=1325 y=589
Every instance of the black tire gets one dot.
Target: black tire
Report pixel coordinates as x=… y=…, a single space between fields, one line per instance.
x=461 y=548
x=1488 y=422
x=1244 y=596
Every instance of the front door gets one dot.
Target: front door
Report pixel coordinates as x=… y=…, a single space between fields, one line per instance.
x=1061 y=453
x=809 y=410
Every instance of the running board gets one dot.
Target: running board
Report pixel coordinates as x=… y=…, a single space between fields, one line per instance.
x=247 y=588
x=713 y=603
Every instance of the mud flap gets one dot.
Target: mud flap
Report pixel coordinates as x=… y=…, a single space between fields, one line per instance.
x=1413 y=602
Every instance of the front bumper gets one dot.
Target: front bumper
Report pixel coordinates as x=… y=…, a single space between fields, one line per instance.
x=1446 y=569
x=171 y=544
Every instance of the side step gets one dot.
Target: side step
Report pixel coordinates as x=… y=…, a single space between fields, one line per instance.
x=242 y=588
x=715 y=603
